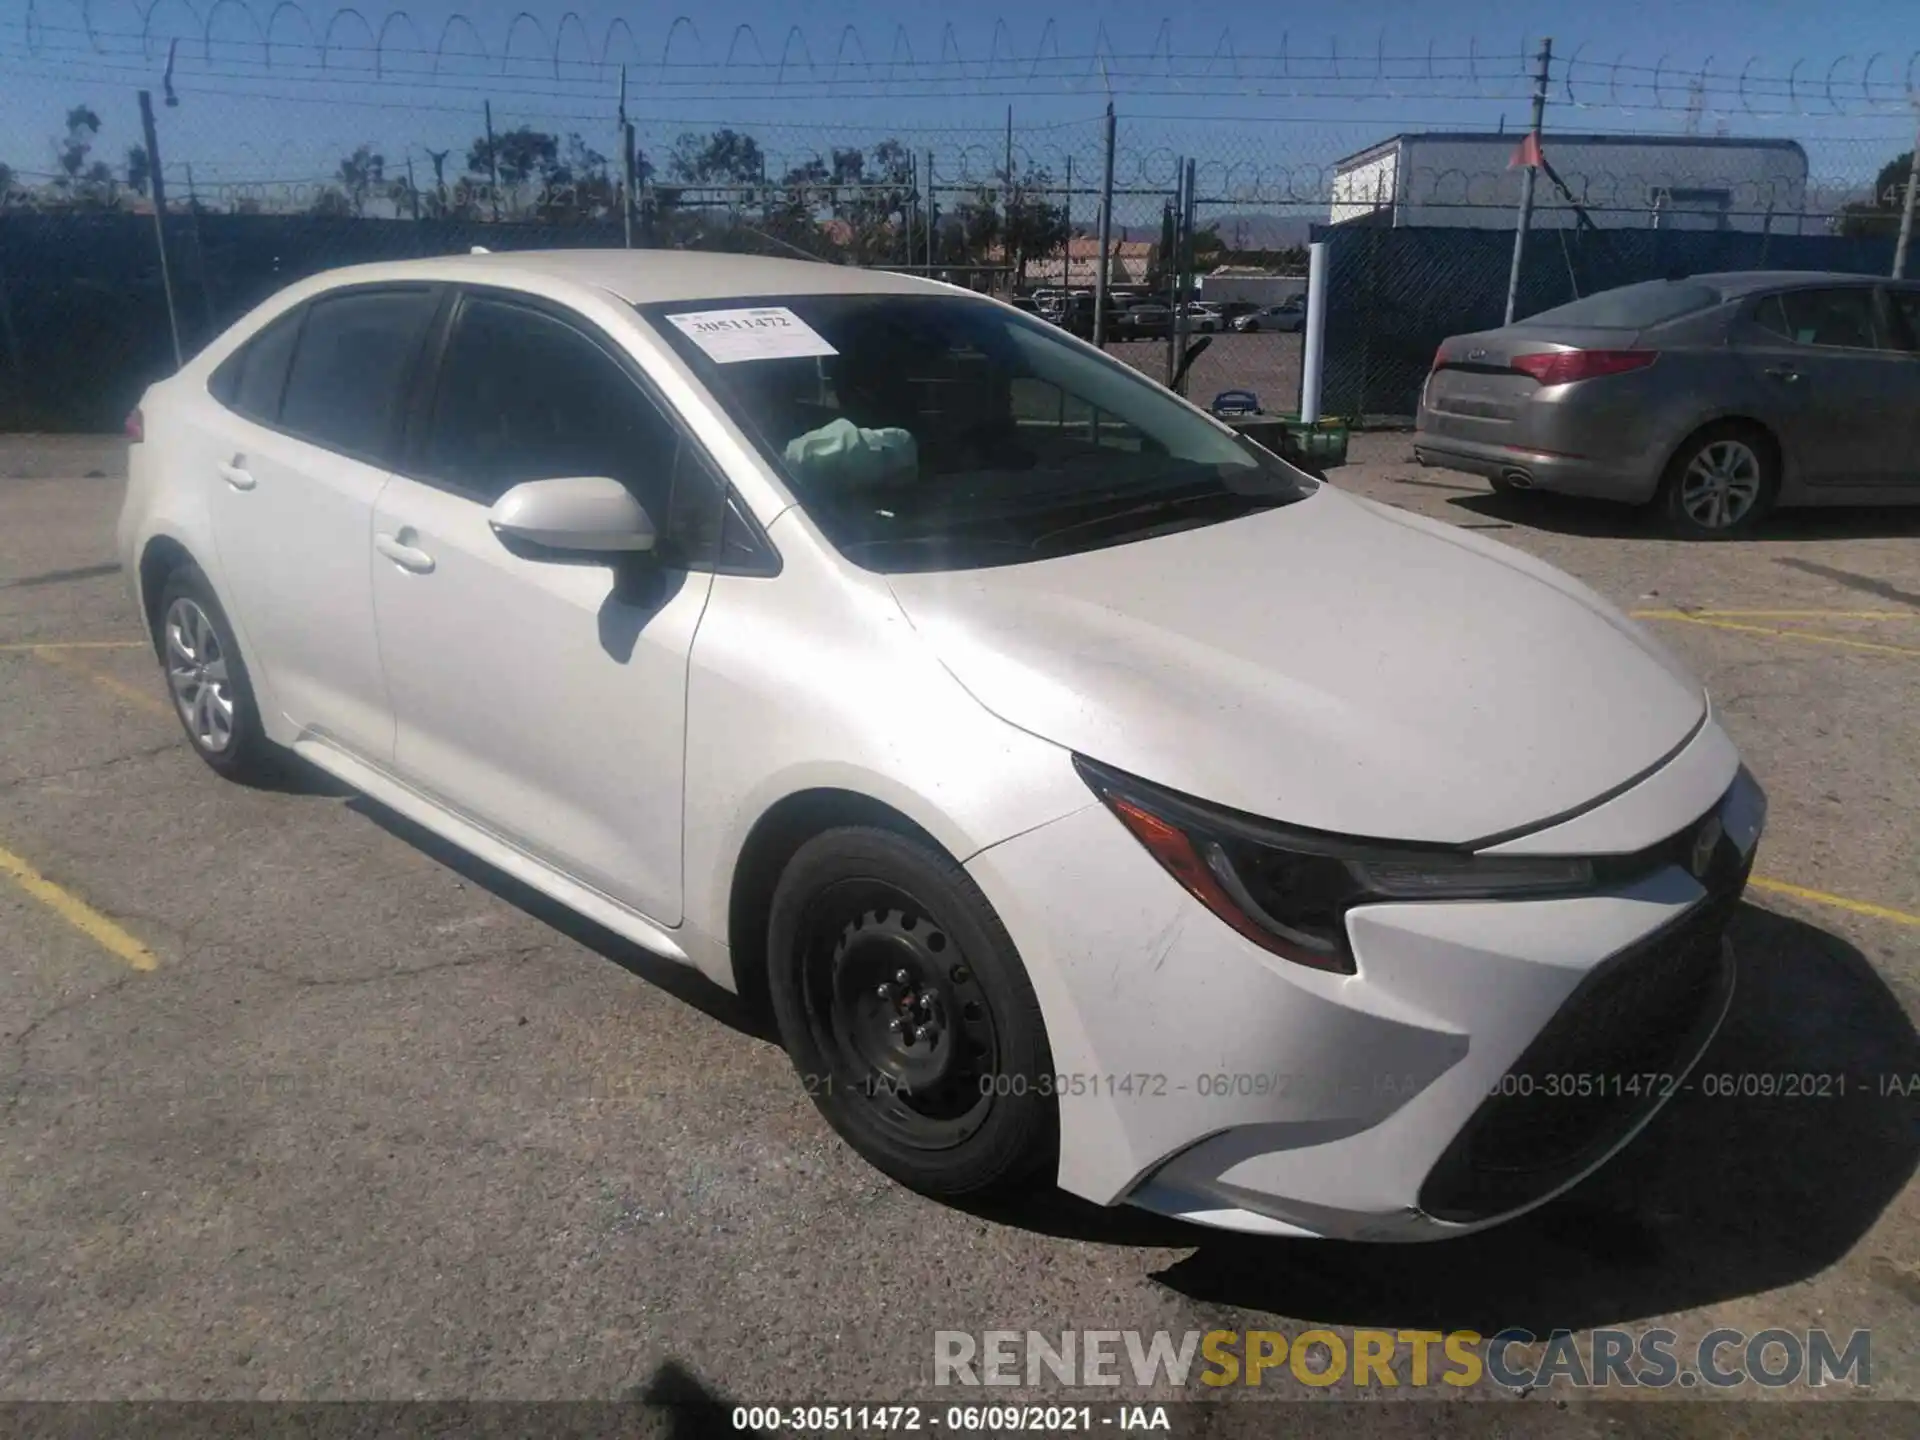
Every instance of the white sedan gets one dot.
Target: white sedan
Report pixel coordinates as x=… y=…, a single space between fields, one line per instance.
x=1093 y=797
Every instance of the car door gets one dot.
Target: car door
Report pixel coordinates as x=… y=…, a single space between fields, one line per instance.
x=545 y=698
x=1903 y=304
x=1833 y=383
x=315 y=399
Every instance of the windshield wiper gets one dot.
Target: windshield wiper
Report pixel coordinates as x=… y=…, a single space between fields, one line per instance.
x=1162 y=506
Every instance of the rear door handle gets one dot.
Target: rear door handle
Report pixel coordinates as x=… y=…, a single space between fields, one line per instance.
x=1784 y=372
x=236 y=474
x=407 y=557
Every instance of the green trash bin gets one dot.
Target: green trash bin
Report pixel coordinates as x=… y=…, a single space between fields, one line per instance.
x=1320 y=445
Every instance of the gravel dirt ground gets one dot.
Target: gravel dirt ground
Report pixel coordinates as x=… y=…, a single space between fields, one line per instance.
x=301 y=1105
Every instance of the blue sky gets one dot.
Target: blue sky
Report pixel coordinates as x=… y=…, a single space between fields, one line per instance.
x=241 y=118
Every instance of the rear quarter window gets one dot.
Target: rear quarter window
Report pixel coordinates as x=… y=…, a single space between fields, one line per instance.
x=252 y=378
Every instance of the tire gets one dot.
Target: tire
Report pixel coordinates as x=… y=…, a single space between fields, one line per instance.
x=207 y=680
x=1711 y=473
x=962 y=1108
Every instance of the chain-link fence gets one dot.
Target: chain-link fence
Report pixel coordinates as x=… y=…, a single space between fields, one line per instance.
x=274 y=149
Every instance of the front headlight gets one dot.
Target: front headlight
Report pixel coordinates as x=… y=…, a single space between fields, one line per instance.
x=1289 y=890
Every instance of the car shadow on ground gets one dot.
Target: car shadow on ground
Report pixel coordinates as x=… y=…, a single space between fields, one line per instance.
x=680 y=981
x=1722 y=1196
x=1600 y=519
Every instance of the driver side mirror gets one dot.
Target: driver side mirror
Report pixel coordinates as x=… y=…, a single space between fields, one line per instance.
x=577 y=514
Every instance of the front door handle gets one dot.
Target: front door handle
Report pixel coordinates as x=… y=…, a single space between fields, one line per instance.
x=235 y=473
x=407 y=557
x=1784 y=372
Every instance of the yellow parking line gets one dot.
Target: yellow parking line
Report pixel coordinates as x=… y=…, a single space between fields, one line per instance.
x=77 y=913
x=132 y=694
x=1673 y=614
x=1776 y=633
x=40 y=645
x=1837 y=902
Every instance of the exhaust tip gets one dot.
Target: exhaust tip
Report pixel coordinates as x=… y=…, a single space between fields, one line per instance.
x=1518 y=479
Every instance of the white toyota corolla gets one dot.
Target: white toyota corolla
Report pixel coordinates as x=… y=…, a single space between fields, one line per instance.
x=1093 y=795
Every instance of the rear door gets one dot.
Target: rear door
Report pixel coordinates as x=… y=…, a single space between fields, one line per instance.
x=1840 y=392
x=1903 y=306
x=316 y=401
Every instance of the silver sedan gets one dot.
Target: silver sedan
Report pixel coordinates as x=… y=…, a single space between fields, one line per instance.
x=1717 y=397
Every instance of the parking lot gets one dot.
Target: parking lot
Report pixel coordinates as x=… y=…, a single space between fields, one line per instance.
x=300 y=1104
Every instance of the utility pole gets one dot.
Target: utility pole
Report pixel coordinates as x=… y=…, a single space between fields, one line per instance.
x=1100 y=280
x=1906 y=213
x=1527 y=179
x=493 y=162
x=413 y=191
x=933 y=218
x=159 y=187
x=1170 y=259
x=626 y=166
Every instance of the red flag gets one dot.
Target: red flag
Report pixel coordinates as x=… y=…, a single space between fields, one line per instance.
x=1527 y=153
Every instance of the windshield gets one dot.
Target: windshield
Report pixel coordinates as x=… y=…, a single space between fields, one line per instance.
x=1631 y=307
x=934 y=432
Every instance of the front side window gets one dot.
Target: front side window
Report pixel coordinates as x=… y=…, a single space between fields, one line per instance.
x=351 y=367
x=522 y=395
x=932 y=432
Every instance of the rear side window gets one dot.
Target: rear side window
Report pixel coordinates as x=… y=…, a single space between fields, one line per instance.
x=252 y=379
x=1838 y=318
x=523 y=395
x=1632 y=307
x=350 y=368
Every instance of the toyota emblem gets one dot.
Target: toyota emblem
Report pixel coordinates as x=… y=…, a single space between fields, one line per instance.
x=1704 y=845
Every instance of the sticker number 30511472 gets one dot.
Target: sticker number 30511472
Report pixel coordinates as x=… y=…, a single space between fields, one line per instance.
x=770 y=333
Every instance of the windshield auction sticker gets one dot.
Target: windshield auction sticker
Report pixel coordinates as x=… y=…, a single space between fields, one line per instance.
x=772 y=333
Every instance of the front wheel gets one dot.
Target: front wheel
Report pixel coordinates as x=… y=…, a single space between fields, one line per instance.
x=1721 y=483
x=907 y=1012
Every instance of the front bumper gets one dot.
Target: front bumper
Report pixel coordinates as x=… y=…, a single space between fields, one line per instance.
x=1486 y=1056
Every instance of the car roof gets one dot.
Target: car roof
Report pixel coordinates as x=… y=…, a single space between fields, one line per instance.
x=1731 y=283
x=643 y=276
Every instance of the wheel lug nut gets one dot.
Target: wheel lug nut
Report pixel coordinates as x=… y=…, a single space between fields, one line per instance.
x=898 y=1025
x=923 y=1033
x=901 y=977
x=885 y=992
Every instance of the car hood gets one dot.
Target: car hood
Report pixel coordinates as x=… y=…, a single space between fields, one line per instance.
x=1333 y=663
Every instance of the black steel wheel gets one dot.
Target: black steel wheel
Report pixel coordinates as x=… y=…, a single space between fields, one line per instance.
x=908 y=1015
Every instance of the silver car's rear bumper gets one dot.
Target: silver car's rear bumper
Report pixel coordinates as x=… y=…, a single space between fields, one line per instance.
x=1562 y=474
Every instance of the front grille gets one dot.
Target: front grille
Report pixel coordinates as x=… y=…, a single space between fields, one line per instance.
x=1611 y=1054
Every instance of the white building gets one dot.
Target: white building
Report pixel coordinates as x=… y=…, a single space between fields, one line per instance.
x=1689 y=182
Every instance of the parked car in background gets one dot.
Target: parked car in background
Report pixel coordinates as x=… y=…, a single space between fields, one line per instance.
x=1001 y=719
x=1717 y=397
x=1204 y=318
x=1288 y=315
x=1146 y=320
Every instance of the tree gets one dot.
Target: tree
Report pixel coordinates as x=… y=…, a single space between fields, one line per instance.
x=139 y=169
x=71 y=150
x=333 y=203
x=725 y=157
x=1881 y=214
x=1034 y=226
x=520 y=155
x=578 y=185
x=361 y=174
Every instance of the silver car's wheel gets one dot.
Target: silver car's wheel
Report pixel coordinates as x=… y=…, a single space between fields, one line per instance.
x=198 y=676
x=1721 y=485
